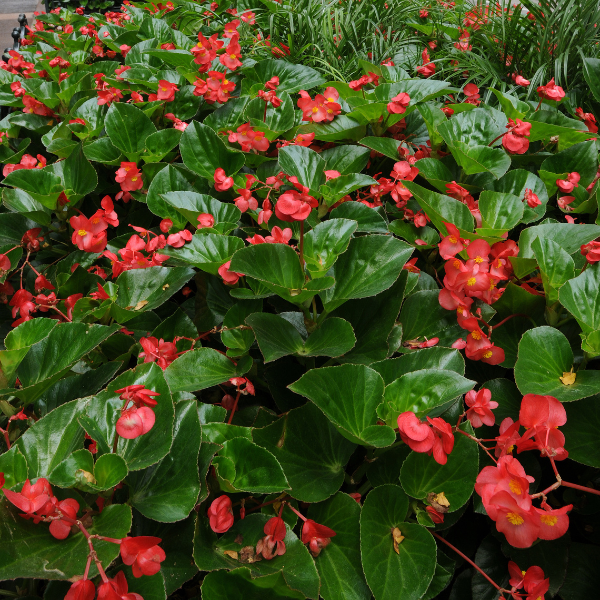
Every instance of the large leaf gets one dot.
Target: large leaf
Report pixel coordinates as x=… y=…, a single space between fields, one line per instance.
x=591 y=72
x=305 y=164
x=407 y=572
x=369 y=266
x=310 y=451
x=421 y=475
x=199 y=369
x=440 y=208
x=570 y=237
x=298 y=567
x=238 y=585
x=500 y=210
x=277 y=337
x=556 y=267
x=581 y=297
x=102 y=411
x=349 y=396
x=544 y=357
x=207 y=251
x=340 y=566
x=79 y=175
x=28 y=550
x=421 y=391
x=247 y=467
x=581 y=431
x=292 y=77
x=203 y=152
x=168 y=490
x=128 y=127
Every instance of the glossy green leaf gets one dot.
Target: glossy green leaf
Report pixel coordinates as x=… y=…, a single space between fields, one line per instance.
x=591 y=69
x=203 y=152
x=369 y=266
x=310 y=451
x=386 y=146
x=338 y=188
x=13 y=466
x=368 y=219
x=390 y=575
x=79 y=175
x=340 y=567
x=440 y=208
x=544 y=357
x=342 y=127
x=500 y=210
x=292 y=77
x=422 y=316
x=168 y=490
x=346 y=159
x=581 y=297
x=207 y=251
x=278 y=119
x=247 y=467
x=28 y=550
x=238 y=585
x=296 y=564
x=570 y=237
x=199 y=369
x=128 y=127
x=420 y=391
x=303 y=163
x=324 y=243
x=421 y=474
x=556 y=266
x=349 y=396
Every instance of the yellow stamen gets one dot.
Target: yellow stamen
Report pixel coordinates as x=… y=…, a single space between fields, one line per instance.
x=515 y=518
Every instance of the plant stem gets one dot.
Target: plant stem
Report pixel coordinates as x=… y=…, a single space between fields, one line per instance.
x=237 y=399
x=302 y=245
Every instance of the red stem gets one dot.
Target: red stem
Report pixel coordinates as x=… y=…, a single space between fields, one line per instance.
x=439 y=537
x=295 y=511
x=6 y=438
x=508 y=318
x=478 y=443
x=235 y=404
x=580 y=488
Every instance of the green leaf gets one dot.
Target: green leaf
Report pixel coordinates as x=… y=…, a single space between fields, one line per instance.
x=445 y=359
x=199 y=369
x=491 y=560
x=310 y=451
x=591 y=72
x=500 y=210
x=546 y=124
x=324 y=243
x=147 y=289
x=68 y=472
x=369 y=266
x=203 y=152
x=175 y=58
x=103 y=151
x=292 y=77
x=13 y=466
x=390 y=575
x=556 y=266
x=305 y=164
x=277 y=337
x=420 y=391
x=128 y=128
x=277 y=264
x=480 y=159
x=28 y=550
x=422 y=316
x=582 y=157
x=296 y=564
x=159 y=144
x=349 y=396
x=386 y=146
x=79 y=175
x=208 y=251
x=346 y=159
x=43 y=185
x=247 y=467
x=278 y=119
x=101 y=412
x=570 y=237
x=238 y=585
x=582 y=578
x=109 y=470
x=229 y=115
x=581 y=297
x=338 y=188
x=339 y=566
x=190 y=205
x=544 y=356
x=581 y=429
x=168 y=490
x=368 y=219
x=440 y=208
x=421 y=475
x=419 y=90
x=515 y=182
x=341 y=128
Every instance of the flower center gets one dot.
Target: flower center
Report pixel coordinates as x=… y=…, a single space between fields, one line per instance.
x=487 y=354
x=82 y=232
x=515 y=518
x=471 y=281
x=514 y=486
x=549 y=520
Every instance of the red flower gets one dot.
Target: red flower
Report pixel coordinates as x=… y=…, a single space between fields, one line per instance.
x=231 y=57
x=89 y=234
x=451 y=244
x=416 y=435
x=143 y=554
x=59 y=528
x=587 y=118
x=205 y=220
x=109 y=96
x=515 y=141
x=443 y=439
x=553 y=523
x=229 y=277
x=423 y=13
x=272 y=544
x=41 y=283
x=222 y=182
x=22 y=304
x=220 y=514
x=436 y=516
x=569 y=184
x=116 y=589
x=316 y=536
x=294 y=206
x=138 y=394
x=591 y=251
x=398 y=104
x=134 y=422
x=130 y=177
x=515 y=520
x=324 y=107
x=522 y=81
x=551 y=91
x=166 y=90
x=509 y=436
x=177 y=240
x=480 y=404
x=531 y=199
x=304 y=139
x=32 y=498
x=427 y=69
x=159 y=351
x=529 y=579
x=83 y=589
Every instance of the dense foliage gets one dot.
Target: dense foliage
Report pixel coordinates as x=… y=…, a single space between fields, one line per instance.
x=299 y=301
